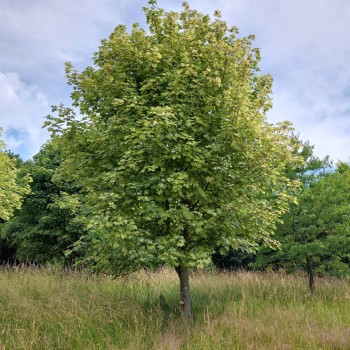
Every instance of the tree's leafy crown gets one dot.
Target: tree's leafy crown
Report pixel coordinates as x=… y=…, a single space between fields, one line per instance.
x=44 y=227
x=316 y=229
x=173 y=149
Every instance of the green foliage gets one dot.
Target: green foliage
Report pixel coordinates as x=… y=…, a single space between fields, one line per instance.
x=234 y=260
x=42 y=229
x=13 y=185
x=315 y=233
x=321 y=224
x=172 y=150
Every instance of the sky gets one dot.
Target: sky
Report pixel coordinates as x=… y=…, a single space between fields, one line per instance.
x=304 y=45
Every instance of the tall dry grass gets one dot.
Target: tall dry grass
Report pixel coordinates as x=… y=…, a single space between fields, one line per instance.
x=52 y=309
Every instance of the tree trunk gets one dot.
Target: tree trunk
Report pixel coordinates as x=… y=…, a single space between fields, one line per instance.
x=310 y=274
x=184 y=291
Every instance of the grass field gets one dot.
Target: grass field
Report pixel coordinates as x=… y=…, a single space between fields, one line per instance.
x=50 y=309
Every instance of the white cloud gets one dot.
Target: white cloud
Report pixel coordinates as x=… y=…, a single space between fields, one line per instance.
x=305 y=47
x=324 y=123
x=22 y=107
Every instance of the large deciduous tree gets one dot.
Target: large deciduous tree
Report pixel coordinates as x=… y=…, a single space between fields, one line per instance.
x=13 y=186
x=172 y=149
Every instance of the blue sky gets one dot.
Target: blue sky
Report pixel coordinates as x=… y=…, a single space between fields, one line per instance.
x=304 y=46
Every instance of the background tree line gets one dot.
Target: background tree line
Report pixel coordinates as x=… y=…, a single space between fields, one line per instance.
x=314 y=235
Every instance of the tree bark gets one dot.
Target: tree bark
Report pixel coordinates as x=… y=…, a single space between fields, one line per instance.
x=185 y=291
x=310 y=274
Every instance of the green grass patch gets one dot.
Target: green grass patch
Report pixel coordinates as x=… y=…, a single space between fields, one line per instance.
x=52 y=309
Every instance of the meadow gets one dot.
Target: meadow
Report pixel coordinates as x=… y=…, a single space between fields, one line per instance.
x=42 y=308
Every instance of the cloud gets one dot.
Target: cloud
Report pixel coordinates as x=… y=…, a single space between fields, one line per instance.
x=325 y=122
x=22 y=107
x=36 y=38
x=305 y=47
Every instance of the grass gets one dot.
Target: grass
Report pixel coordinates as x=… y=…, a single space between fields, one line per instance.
x=50 y=309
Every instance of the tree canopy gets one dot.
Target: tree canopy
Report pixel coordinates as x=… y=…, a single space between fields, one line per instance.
x=314 y=234
x=44 y=228
x=172 y=149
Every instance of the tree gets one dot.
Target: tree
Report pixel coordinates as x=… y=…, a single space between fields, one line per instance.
x=314 y=235
x=13 y=186
x=172 y=150
x=44 y=228
x=318 y=239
